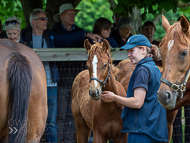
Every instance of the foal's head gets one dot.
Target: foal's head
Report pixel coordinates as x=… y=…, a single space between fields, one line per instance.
x=99 y=64
x=175 y=60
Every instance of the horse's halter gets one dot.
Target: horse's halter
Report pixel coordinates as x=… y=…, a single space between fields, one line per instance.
x=101 y=81
x=180 y=88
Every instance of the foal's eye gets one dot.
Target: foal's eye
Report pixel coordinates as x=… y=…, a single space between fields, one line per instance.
x=105 y=65
x=184 y=53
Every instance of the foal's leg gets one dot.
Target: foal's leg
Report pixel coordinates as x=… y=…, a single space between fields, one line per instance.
x=97 y=138
x=83 y=130
x=122 y=139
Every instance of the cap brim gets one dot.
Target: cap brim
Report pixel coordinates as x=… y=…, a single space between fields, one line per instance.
x=57 y=18
x=127 y=47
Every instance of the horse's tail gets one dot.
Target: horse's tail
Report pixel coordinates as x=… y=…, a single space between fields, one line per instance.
x=19 y=78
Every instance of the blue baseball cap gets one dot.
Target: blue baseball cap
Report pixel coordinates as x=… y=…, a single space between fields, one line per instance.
x=136 y=40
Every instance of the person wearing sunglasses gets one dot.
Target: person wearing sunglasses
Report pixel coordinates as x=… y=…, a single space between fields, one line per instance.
x=13 y=29
x=102 y=27
x=38 y=37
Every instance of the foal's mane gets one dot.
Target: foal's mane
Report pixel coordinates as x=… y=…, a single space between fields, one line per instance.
x=175 y=33
x=98 y=47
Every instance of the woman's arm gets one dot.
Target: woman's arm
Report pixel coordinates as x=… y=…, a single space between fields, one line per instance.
x=133 y=102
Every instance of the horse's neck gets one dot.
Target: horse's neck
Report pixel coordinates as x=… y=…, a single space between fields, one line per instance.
x=111 y=84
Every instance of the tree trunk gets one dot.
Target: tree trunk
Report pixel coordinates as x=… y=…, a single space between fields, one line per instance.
x=28 y=6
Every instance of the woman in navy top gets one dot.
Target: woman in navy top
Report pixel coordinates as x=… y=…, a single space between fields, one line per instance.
x=143 y=117
x=102 y=27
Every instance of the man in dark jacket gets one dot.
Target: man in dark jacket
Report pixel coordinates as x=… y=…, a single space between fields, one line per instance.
x=38 y=37
x=148 y=30
x=66 y=24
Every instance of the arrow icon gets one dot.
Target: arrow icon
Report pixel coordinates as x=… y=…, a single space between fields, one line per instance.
x=11 y=130
x=15 y=130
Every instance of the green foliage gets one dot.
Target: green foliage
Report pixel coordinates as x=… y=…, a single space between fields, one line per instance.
x=11 y=8
x=148 y=5
x=172 y=17
x=91 y=11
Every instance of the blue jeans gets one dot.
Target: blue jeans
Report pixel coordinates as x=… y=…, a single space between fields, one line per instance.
x=51 y=125
x=140 y=138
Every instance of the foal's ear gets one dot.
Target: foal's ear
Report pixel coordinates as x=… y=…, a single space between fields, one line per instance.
x=184 y=24
x=87 y=44
x=165 y=23
x=106 y=45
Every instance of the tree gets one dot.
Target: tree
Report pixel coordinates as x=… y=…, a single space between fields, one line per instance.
x=154 y=7
x=93 y=9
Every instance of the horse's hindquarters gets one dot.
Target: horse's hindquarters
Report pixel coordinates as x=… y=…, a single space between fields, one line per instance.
x=37 y=111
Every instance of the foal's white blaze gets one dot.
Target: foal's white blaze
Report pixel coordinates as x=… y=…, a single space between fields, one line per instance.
x=170 y=44
x=94 y=63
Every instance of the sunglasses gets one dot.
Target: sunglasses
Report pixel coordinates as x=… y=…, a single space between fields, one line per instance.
x=42 y=18
x=14 y=22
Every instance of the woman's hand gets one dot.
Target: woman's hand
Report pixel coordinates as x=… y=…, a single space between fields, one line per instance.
x=94 y=37
x=107 y=96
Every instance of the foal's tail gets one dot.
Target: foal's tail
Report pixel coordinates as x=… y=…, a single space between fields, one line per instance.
x=19 y=77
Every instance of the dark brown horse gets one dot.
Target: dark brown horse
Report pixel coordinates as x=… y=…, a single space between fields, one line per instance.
x=176 y=63
x=23 y=94
x=89 y=111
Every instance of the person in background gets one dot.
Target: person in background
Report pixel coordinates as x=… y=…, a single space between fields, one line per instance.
x=13 y=29
x=38 y=37
x=148 y=30
x=66 y=24
x=122 y=32
x=102 y=27
x=143 y=117
x=2 y=32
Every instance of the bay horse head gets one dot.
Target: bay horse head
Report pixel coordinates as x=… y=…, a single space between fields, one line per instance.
x=175 y=60
x=99 y=64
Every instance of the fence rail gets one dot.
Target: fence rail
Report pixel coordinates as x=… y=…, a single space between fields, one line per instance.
x=73 y=54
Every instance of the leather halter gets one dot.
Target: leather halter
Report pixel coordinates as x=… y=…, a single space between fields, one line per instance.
x=101 y=81
x=178 y=88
